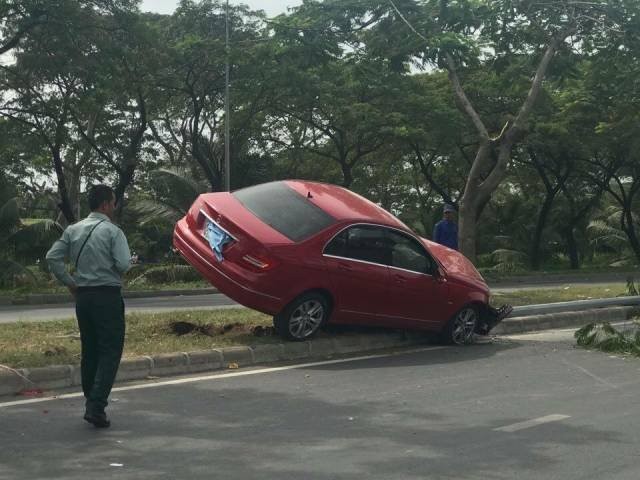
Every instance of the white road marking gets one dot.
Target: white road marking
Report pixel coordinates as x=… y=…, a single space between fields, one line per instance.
x=514 y=427
x=592 y=375
x=219 y=376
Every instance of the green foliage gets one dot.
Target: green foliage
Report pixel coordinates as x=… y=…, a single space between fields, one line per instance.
x=605 y=337
x=504 y=261
x=345 y=91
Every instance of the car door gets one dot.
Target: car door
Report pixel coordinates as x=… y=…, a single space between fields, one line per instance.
x=418 y=296
x=356 y=260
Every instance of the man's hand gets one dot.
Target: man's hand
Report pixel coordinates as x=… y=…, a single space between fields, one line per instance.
x=73 y=290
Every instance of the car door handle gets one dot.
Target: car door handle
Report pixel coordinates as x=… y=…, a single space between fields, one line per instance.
x=344 y=266
x=399 y=279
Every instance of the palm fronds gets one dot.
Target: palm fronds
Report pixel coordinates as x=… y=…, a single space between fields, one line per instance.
x=12 y=273
x=506 y=260
x=9 y=217
x=602 y=232
x=37 y=231
x=173 y=192
x=605 y=337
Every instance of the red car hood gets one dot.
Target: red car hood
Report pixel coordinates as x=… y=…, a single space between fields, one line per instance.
x=457 y=266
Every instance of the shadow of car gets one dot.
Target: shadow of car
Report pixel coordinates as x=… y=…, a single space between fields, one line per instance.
x=310 y=253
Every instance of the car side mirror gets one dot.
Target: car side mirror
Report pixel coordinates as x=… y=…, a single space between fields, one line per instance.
x=439 y=275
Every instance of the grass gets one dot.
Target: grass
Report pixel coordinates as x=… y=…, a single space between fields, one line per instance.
x=57 y=342
x=560 y=294
x=491 y=275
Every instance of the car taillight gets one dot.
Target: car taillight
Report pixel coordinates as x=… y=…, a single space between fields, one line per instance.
x=259 y=263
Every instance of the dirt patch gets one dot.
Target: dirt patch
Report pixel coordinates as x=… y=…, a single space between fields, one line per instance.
x=184 y=328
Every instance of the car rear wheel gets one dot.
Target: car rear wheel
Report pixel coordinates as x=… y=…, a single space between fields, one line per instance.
x=461 y=327
x=303 y=317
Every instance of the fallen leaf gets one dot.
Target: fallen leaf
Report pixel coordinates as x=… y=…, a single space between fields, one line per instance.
x=233 y=365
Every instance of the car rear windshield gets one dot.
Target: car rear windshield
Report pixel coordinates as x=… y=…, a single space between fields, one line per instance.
x=285 y=210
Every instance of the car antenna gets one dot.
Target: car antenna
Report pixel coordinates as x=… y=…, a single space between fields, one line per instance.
x=309 y=195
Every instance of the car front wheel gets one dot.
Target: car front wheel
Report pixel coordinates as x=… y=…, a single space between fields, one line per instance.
x=303 y=317
x=461 y=327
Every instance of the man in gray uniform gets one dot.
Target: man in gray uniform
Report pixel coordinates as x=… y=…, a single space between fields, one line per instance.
x=99 y=254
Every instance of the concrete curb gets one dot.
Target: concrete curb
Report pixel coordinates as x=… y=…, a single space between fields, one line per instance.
x=55 y=298
x=13 y=382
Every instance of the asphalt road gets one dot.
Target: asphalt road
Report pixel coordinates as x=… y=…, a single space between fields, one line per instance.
x=526 y=407
x=15 y=313
x=37 y=313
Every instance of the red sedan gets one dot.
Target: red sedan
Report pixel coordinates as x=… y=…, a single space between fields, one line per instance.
x=310 y=253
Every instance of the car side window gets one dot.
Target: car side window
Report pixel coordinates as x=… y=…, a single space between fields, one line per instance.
x=408 y=254
x=362 y=242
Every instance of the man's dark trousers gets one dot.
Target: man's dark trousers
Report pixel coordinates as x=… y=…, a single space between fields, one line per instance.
x=100 y=313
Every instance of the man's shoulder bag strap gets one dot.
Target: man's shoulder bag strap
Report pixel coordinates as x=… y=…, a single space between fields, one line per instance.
x=85 y=242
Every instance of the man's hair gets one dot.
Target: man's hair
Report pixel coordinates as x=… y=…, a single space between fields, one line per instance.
x=98 y=194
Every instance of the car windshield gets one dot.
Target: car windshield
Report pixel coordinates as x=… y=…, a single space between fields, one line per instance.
x=285 y=210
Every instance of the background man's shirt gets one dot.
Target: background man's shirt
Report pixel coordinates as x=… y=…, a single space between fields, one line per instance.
x=446 y=233
x=104 y=259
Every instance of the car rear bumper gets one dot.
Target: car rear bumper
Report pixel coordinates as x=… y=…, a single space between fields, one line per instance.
x=198 y=254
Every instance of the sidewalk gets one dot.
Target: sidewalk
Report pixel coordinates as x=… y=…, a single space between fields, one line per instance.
x=12 y=382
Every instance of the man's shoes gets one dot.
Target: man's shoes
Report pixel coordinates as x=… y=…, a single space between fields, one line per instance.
x=99 y=420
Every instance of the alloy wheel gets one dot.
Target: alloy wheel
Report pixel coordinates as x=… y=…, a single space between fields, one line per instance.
x=463 y=326
x=306 y=319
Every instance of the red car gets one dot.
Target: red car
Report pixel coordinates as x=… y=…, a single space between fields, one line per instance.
x=310 y=253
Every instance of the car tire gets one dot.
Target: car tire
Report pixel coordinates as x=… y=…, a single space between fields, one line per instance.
x=460 y=329
x=303 y=317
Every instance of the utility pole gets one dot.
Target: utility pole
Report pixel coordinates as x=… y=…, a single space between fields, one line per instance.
x=227 y=116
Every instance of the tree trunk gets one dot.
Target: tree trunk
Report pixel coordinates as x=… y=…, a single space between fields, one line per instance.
x=485 y=176
x=629 y=228
x=572 y=248
x=131 y=154
x=347 y=176
x=543 y=215
x=472 y=202
x=65 y=204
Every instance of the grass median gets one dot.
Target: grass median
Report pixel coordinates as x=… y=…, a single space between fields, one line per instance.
x=564 y=293
x=57 y=342
x=36 y=344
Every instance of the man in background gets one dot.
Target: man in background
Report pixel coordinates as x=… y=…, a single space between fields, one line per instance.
x=99 y=255
x=446 y=230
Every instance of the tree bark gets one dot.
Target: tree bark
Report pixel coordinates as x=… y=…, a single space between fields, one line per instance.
x=572 y=248
x=65 y=204
x=541 y=223
x=130 y=159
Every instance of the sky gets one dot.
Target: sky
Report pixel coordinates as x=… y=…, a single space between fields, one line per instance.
x=271 y=7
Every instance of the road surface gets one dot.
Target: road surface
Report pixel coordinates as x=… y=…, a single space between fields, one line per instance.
x=527 y=407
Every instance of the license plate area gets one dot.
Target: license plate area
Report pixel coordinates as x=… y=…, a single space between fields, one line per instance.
x=217 y=237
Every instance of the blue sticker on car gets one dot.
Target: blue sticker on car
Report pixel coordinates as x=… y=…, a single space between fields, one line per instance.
x=217 y=239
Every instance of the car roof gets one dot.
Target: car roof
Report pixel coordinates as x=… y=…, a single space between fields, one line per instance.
x=343 y=204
